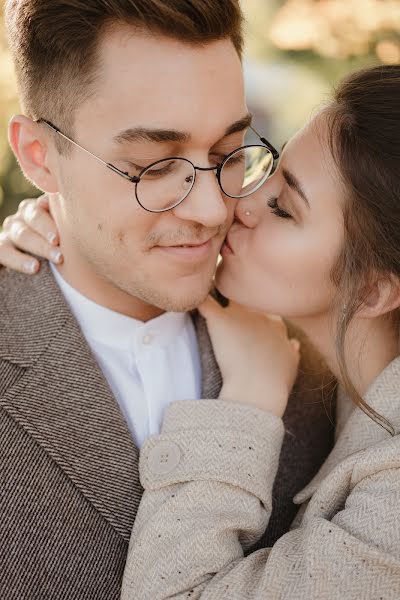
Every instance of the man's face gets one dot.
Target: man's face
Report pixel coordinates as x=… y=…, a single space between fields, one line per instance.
x=188 y=97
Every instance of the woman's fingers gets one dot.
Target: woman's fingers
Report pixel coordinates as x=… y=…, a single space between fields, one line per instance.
x=32 y=230
x=296 y=344
x=35 y=213
x=14 y=259
x=25 y=238
x=44 y=202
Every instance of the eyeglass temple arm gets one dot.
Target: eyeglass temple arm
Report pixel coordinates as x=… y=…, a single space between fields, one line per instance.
x=108 y=165
x=270 y=147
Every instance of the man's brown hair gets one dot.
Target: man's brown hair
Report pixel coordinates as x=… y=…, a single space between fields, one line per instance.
x=54 y=42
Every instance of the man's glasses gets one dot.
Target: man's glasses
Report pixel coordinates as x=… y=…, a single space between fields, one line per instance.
x=164 y=184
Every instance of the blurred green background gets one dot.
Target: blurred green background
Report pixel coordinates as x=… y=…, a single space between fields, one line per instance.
x=296 y=51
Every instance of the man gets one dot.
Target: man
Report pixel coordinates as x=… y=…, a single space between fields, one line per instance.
x=92 y=352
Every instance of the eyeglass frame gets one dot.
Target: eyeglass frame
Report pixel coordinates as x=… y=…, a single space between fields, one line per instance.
x=137 y=178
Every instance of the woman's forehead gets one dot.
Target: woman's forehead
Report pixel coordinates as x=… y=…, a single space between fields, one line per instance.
x=307 y=154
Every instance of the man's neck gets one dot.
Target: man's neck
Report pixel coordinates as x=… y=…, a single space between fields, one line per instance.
x=106 y=294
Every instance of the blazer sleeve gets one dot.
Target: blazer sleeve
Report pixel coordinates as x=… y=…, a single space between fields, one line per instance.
x=208 y=481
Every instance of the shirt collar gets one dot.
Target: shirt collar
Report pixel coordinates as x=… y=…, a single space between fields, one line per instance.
x=105 y=326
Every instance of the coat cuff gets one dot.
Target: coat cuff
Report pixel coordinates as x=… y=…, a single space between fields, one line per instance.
x=214 y=440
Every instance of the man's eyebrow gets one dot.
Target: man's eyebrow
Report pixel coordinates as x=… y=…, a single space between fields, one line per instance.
x=239 y=125
x=143 y=134
x=295 y=185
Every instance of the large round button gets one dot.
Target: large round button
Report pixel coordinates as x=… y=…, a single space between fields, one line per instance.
x=164 y=458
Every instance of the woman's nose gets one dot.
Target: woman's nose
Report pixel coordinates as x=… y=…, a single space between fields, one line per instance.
x=249 y=210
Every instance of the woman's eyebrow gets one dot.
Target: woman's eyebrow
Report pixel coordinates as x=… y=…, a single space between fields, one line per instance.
x=295 y=185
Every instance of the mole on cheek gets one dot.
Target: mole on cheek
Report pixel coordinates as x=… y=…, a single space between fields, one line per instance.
x=121 y=238
x=99 y=227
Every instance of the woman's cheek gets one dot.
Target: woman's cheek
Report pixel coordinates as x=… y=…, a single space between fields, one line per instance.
x=288 y=276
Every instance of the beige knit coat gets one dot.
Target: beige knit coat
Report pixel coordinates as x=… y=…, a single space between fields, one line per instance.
x=208 y=480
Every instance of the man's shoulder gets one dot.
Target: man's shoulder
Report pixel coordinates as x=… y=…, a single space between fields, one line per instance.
x=31 y=307
x=16 y=289
x=11 y=282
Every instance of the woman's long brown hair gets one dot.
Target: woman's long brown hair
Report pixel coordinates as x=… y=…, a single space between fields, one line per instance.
x=364 y=126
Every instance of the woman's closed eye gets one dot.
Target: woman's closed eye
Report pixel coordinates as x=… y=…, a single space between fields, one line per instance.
x=277 y=210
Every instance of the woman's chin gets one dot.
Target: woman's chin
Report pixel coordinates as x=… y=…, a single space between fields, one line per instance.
x=224 y=283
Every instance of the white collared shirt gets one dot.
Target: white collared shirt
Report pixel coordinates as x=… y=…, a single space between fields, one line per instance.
x=147 y=365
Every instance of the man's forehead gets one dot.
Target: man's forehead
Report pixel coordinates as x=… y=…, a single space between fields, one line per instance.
x=142 y=56
x=154 y=83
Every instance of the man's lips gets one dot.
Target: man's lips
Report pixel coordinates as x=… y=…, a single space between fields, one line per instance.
x=188 y=250
x=186 y=244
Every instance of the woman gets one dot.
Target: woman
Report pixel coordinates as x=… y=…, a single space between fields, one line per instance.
x=319 y=245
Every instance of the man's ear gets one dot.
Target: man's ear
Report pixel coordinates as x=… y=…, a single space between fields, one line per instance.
x=383 y=297
x=30 y=145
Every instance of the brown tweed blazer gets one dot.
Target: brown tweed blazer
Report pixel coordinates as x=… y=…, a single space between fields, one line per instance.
x=68 y=467
x=210 y=495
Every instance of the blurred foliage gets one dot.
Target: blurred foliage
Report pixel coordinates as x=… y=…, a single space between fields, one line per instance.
x=296 y=51
x=332 y=29
x=13 y=186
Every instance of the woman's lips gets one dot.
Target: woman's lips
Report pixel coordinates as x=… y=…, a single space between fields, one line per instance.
x=226 y=248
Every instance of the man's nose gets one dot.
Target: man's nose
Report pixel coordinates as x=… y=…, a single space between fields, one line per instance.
x=206 y=203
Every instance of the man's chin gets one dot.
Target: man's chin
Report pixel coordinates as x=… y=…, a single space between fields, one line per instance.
x=172 y=292
x=183 y=303
x=187 y=293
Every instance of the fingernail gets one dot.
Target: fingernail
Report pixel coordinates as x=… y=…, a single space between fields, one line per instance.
x=52 y=238
x=56 y=256
x=30 y=266
x=296 y=344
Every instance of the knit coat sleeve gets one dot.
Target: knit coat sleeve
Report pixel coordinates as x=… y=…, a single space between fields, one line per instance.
x=208 y=493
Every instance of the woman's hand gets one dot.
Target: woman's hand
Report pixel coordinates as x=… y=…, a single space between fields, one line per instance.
x=33 y=231
x=258 y=361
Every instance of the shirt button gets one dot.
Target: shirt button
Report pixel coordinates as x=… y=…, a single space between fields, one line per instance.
x=164 y=458
x=147 y=339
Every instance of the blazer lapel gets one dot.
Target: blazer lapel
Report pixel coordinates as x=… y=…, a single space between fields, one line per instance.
x=63 y=400
x=211 y=375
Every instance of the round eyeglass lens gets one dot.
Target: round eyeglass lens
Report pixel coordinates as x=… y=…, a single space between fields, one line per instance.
x=164 y=184
x=244 y=171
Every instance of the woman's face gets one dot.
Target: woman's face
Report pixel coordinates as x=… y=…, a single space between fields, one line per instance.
x=279 y=258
